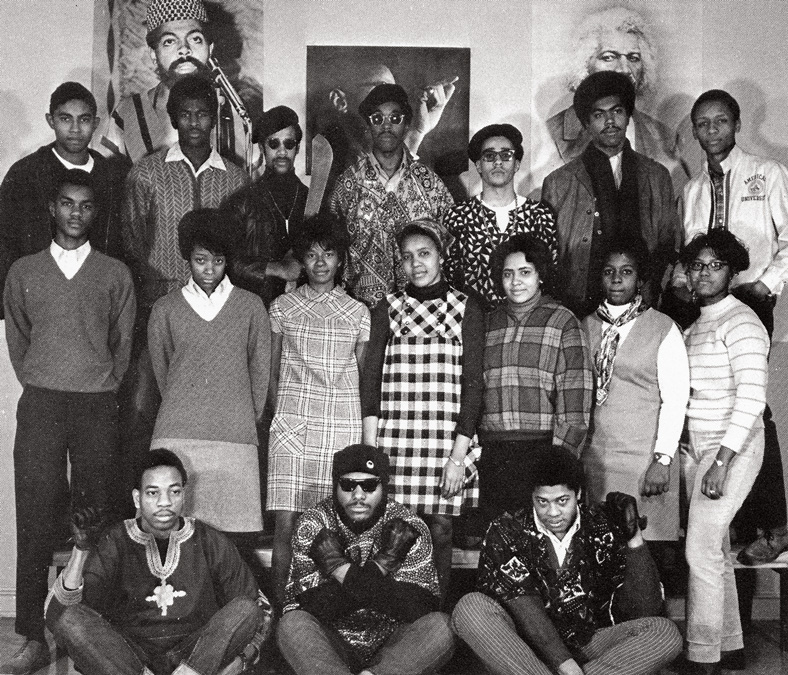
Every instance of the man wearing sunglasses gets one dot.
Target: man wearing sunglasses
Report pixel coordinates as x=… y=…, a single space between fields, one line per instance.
x=608 y=192
x=382 y=191
x=481 y=224
x=270 y=211
x=363 y=592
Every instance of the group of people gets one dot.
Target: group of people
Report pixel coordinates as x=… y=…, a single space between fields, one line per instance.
x=369 y=372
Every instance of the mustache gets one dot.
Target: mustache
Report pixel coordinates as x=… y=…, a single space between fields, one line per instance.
x=187 y=59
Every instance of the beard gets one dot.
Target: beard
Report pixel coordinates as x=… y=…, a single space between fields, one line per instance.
x=360 y=526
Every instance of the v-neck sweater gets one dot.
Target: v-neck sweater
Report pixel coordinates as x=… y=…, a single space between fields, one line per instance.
x=69 y=334
x=213 y=375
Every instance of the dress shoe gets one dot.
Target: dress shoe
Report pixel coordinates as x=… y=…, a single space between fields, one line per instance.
x=733 y=660
x=764 y=549
x=32 y=656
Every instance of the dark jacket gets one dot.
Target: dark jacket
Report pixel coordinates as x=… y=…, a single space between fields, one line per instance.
x=26 y=225
x=568 y=190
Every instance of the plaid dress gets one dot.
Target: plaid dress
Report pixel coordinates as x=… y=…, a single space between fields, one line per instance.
x=420 y=399
x=318 y=407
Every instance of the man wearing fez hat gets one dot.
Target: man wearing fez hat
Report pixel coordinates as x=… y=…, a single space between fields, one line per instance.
x=180 y=43
x=363 y=590
x=608 y=191
x=480 y=224
x=270 y=211
x=383 y=189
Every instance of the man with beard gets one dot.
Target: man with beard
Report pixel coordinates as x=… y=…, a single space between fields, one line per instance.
x=363 y=589
x=271 y=210
x=180 y=44
x=608 y=191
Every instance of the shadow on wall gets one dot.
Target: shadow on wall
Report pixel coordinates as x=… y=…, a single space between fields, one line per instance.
x=14 y=113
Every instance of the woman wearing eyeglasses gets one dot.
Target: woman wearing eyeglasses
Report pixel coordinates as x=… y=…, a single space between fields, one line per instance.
x=642 y=387
x=421 y=392
x=727 y=348
x=270 y=211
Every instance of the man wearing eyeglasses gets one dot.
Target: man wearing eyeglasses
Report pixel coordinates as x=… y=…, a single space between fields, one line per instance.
x=608 y=192
x=481 y=224
x=382 y=191
x=363 y=591
x=747 y=195
x=270 y=211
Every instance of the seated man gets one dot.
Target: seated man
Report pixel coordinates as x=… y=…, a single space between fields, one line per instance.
x=563 y=586
x=363 y=588
x=160 y=594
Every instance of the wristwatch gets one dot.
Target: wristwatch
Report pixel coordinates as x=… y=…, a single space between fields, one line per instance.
x=665 y=460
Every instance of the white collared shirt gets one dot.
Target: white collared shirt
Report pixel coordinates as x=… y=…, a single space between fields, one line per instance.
x=214 y=161
x=87 y=166
x=390 y=183
x=615 y=164
x=207 y=306
x=502 y=213
x=560 y=546
x=69 y=262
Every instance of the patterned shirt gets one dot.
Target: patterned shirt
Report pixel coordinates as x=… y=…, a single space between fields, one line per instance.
x=537 y=376
x=159 y=192
x=517 y=560
x=372 y=215
x=476 y=235
x=363 y=629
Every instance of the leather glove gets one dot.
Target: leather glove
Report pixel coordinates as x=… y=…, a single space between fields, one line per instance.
x=623 y=512
x=86 y=525
x=327 y=552
x=396 y=539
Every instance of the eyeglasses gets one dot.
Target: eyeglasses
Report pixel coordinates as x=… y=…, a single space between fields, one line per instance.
x=490 y=156
x=274 y=143
x=366 y=484
x=377 y=118
x=714 y=265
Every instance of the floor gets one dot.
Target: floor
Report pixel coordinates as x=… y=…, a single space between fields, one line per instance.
x=761 y=644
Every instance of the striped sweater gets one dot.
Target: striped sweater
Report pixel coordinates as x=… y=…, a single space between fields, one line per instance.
x=727 y=348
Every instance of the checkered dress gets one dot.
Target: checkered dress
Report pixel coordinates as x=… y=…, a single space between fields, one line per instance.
x=318 y=410
x=420 y=399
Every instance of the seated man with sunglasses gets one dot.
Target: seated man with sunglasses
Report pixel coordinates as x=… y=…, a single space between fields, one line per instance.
x=269 y=212
x=363 y=592
x=481 y=224
x=381 y=192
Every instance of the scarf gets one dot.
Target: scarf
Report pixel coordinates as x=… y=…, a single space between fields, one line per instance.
x=606 y=354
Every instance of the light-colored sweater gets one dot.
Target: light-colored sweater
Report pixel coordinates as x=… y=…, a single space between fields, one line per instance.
x=727 y=348
x=69 y=334
x=213 y=375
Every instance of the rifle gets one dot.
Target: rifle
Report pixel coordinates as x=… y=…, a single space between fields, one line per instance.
x=231 y=96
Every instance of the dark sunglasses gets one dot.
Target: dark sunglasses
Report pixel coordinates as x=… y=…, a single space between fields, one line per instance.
x=491 y=156
x=289 y=143
x=367 y=484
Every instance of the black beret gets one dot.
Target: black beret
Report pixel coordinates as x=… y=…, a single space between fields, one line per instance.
x=386 y=93
x=362 y=459
x=601 y=85
x=274 y=120
x=491 y=131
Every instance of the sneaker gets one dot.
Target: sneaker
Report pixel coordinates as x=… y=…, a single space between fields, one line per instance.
x=764 y=549
x=31 y=656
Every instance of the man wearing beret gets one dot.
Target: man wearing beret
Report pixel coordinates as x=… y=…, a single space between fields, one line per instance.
x=567 y=589
x=179 y=43
x=481 y=224
x=363 y=590
x=270 y=211
x=608 y=192
x=381 y=192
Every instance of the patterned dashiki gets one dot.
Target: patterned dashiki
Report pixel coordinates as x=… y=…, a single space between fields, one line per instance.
x=420 y=399
x=476 y=235
x=318 y=408
x=364 y=630
x=372 y=215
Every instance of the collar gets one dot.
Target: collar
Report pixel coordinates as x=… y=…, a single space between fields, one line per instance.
x=87 y=166
x=79 y=253
x=311 y=294
x=390 y=181
x=728 y=163
x=223 y=289
x=139 y=536
x=561 y=546
x=433 y=292
x=214 y=161
x=516 y=203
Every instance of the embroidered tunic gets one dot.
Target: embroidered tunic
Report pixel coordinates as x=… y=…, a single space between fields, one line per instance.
x=318 y=408
x=202 y=569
